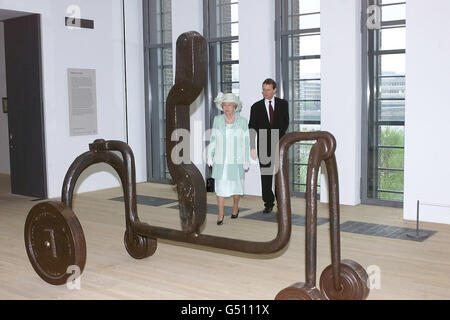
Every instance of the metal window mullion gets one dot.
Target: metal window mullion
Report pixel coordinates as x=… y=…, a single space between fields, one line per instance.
x=229 y=39
x=311 y=57
x=390 y=147
x=397 y=76
x=391 y=169
x=393 y=24
x=307 y=79
x=388 y=52
x=228 y=62
x=390 y=191
x=372 y=179
x=293 y=32
x=392 y=4
x=159 y=45
x=390 y=123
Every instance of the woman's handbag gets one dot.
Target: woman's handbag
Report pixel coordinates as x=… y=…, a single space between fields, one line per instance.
x=210 y=183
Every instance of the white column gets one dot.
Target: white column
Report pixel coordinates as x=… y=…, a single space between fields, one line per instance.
x=187 y=15
x=427 y=111
x=256 y=63
x=135 y=93
x=341 y=92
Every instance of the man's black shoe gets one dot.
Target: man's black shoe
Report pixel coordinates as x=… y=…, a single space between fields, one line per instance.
x=268 y=209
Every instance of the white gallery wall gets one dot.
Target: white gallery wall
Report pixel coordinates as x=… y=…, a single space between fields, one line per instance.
x=4 y=141
x=256 y=63
x=135 y=85
x=100 y=49
x=340 y=35
x=427 y=113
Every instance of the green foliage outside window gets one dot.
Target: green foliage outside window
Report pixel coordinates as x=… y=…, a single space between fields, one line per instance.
x=391 y=158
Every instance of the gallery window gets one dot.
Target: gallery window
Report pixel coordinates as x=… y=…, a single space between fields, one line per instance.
x=221 y=30
x=384 y=47
x=159 y=81
x=298 y=76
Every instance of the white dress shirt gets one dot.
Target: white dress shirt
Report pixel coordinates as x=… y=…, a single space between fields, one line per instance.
x=267 y=106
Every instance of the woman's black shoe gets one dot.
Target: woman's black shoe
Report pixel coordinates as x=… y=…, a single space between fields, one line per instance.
x=235 y=216
x=220 y=222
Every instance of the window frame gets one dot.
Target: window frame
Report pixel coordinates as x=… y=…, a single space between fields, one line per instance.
x=153 y=47
x=283 y=58
x=370 y=118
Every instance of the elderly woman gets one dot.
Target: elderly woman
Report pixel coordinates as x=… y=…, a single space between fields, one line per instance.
x=228 y=152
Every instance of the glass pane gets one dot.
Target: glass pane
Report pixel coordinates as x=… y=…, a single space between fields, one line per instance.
x=166 y=27
x=297 y=7
x=393 y=12
x=308 y=6
x=390 y=180
x=390 y=196
x=235 y=72
x=307 y=90
x=166 y=5
x=306 y=45
x=230 y=51
x=391 y=88
x=235 y=88
x=235 y=29
x=390 y=1
x=306 y=69
x=227 y=17
x=229 y=87
x=167 y=57
x=392 y=136
x=391 y=110
x=391 y=158
x=309 y=21
x=393 y=38
x=393 y=64
x=307 y=111
x=234 y=12
x=305 y=149
x=224 y=30
x=310 y=127
x=230 y=73
x=226 y=87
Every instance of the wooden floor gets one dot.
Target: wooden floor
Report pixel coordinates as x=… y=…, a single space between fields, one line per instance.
x=408 y=269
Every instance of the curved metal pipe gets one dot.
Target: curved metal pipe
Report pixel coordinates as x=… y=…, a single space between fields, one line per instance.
x=333 y=205
x=80 y=164
x=315 y=158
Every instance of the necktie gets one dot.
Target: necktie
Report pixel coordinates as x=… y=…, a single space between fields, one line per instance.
x=271 y=113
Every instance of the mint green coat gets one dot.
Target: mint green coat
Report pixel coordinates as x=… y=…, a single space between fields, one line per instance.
x=232 y=152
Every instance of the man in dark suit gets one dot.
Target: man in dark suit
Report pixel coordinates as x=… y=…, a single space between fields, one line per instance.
x=269 y=121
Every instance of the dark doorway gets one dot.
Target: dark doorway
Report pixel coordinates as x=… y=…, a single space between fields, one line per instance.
x=25 y=105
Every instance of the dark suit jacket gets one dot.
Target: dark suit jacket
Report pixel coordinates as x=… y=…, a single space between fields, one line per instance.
x=259 y=119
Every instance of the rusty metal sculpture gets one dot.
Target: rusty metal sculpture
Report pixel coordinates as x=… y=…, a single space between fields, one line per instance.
x=55 y=240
